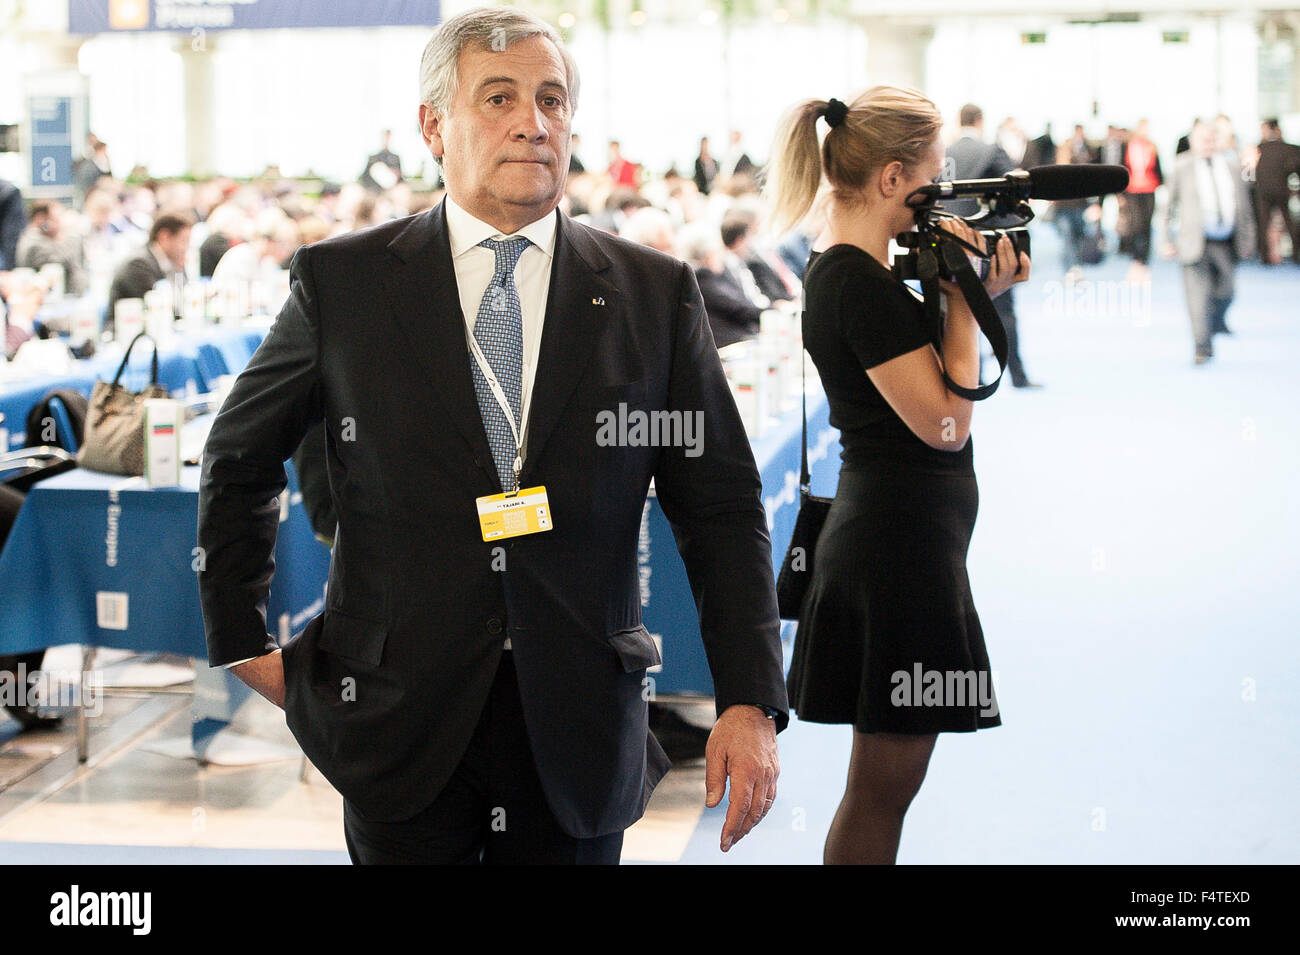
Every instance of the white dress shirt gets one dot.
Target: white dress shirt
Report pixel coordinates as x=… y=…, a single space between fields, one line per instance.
x=474 y=267
x=1214 y=178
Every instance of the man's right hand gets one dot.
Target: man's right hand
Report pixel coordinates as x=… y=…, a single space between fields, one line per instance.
x=265 y=674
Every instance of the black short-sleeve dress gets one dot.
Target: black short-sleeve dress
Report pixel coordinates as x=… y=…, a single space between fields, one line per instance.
x=888 y=637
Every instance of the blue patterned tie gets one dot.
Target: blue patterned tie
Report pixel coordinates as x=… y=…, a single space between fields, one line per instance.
x=499 y=330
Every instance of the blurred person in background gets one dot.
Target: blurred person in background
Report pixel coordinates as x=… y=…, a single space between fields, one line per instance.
x=1210 y=226
x=1111 y=150
x=1277 y=161
x=622 y=171
x=20 y=301
x=575 y=164
x=106 y=236
x=796 y=245
x=1071 y=214
x=1041 y=150
x=92 y=167
x=1013 y=140
x=761 y=279
x=1144 y=178
x=12 y=220
x=227 y=227
x=48 y=241
x=706 y=168
x=1225 y=139
x=275 y=241
x=889 y=592
x=327 y=204
x=737 y=161
x=383 y=169
x=162 y=257
x=970 y=157
x=652 y=227
x=314 y=229
x=732 y=316
x=620 y=203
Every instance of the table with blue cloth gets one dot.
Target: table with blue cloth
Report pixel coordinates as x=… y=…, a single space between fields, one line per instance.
x=188 y=364
x=101 y=560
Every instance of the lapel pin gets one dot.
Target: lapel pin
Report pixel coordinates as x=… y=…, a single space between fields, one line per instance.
x=597 y=301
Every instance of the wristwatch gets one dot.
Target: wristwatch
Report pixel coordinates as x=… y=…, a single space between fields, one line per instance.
x=770 y=712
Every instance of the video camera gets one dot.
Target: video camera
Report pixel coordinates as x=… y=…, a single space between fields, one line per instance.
x=1004 y=210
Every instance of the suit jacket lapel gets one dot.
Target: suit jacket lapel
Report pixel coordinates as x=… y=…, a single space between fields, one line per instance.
x=575 y=313
x=426 y=305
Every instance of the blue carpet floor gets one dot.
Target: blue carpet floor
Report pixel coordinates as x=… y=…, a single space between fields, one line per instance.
x=1136 y=565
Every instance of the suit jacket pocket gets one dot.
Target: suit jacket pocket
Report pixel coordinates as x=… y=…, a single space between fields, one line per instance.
x=355 y=638
x=609 y=397
x=636 y=648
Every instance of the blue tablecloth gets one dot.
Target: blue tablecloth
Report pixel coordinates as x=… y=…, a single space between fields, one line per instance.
x=186 y=365
x=667 y=606
x=102 y=560
x=99 y=559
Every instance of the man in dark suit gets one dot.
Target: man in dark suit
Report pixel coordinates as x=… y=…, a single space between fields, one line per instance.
x=486 y=700
x=972 y=158
x=1278 y=162
x=162 y=257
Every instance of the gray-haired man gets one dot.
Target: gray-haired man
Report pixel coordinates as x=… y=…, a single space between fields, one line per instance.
x=476 y=687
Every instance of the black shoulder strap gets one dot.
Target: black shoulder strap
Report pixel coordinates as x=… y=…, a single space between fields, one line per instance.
x=980 y=304
x=805 y=478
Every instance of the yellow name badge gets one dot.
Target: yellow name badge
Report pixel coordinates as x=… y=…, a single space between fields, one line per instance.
x=514 y=515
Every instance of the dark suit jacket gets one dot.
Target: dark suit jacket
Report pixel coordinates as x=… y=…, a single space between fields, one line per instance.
x=1278 y=160
x=732 y=316
x=12 y=220
x=133 y=278
x=975 y=159
x=385 y=687
x=705 y=174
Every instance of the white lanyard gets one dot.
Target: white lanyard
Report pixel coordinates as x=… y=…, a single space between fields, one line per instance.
x=499 y=394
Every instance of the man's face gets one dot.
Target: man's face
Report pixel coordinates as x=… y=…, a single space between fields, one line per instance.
x=175 y=245
x=504 y=144
x=1202 y=141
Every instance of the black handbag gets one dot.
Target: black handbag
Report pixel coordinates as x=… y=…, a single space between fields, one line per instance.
x=796 y=569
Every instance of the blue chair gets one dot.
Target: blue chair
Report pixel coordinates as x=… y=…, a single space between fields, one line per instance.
x=65 y=434
x=212 y=365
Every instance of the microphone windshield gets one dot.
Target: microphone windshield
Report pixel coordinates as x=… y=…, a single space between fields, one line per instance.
x=1076 y=181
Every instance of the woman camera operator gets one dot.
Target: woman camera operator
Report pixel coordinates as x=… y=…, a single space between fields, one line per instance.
x=889 y=639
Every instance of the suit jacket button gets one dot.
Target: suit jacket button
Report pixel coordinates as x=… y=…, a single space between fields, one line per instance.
x=494 y=625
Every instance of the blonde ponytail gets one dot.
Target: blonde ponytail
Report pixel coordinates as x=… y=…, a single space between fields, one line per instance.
x=883 y=125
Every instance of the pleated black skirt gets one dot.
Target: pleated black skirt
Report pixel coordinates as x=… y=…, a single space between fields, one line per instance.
x=888 y=638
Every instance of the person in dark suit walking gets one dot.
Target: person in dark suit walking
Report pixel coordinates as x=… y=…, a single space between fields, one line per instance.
x=972 y=158
x=1278 y=161
x=485 y=700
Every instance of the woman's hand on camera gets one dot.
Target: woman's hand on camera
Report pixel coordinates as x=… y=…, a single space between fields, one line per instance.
x=1004 y=268
x=970 y=236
